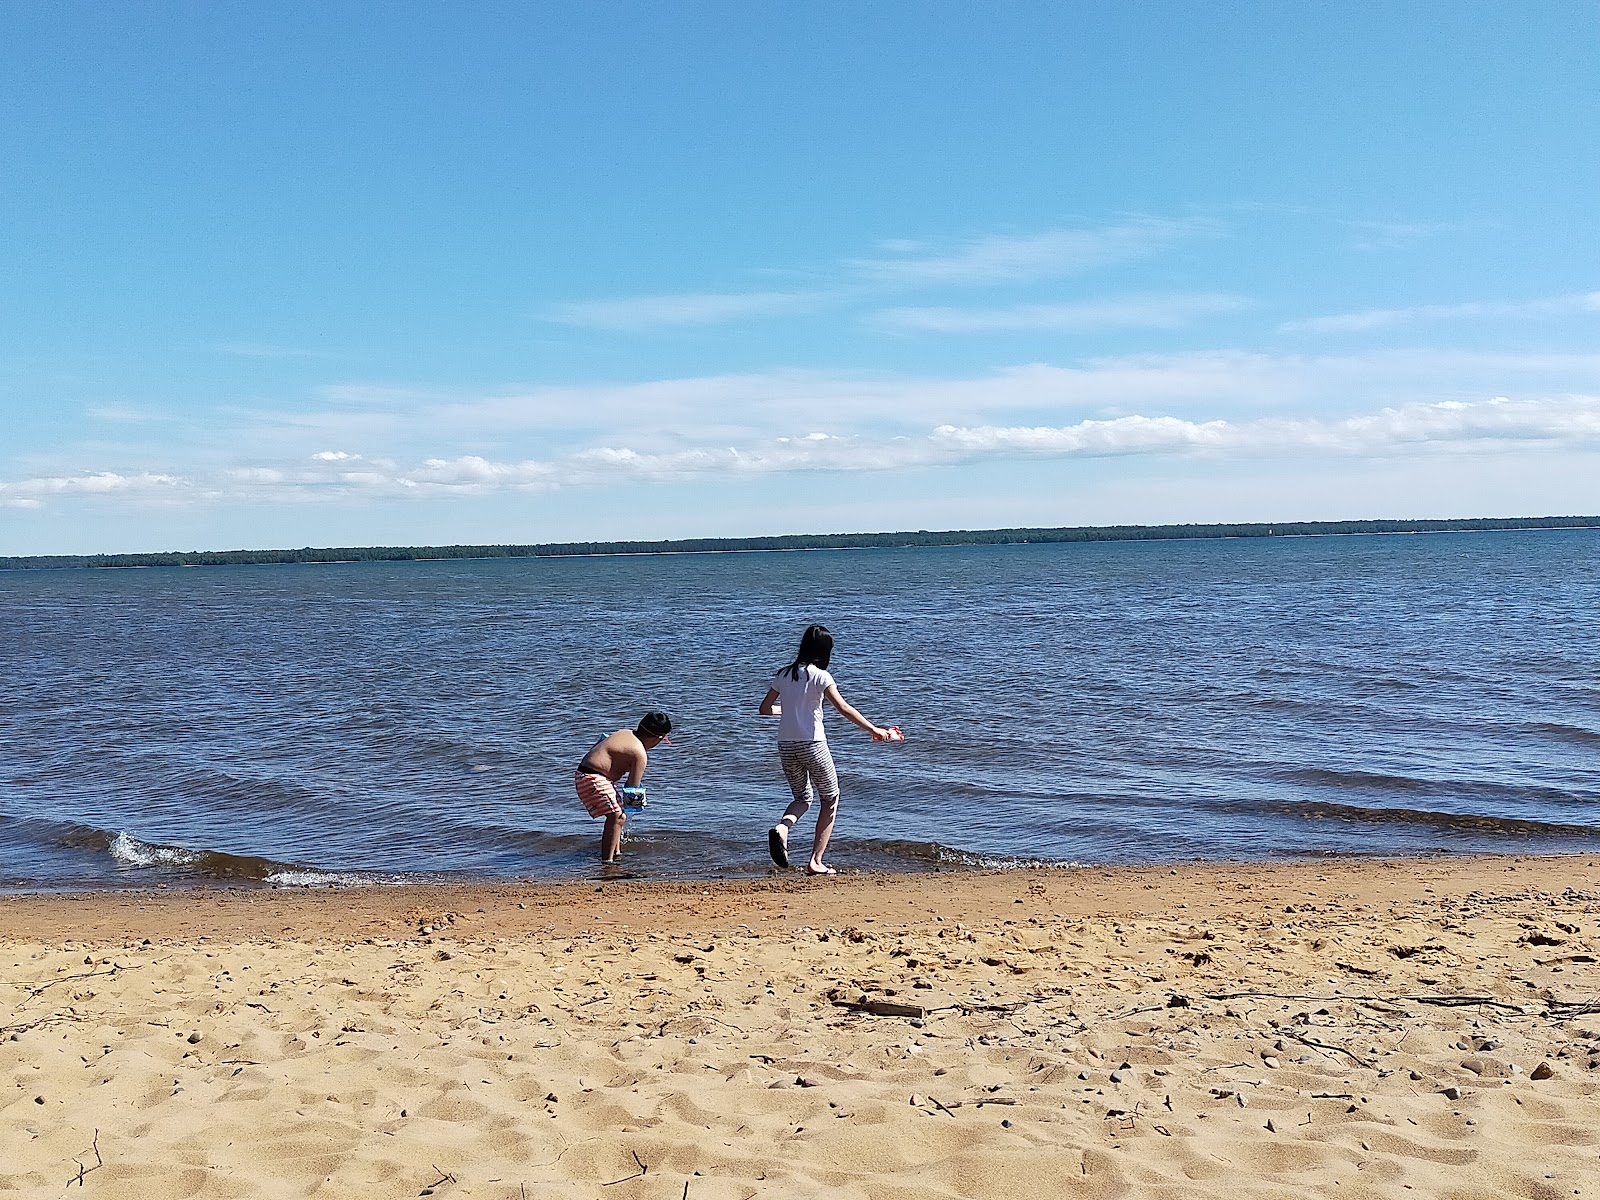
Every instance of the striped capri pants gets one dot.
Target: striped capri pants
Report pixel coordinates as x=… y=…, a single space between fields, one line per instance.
x=809 y=768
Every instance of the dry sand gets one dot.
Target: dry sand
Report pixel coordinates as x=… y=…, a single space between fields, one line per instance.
x=1379 y=1029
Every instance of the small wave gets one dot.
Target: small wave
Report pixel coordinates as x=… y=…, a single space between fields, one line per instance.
x=933 y=855
x=1568 y=733
x=1377 y=781
x=130 y=850
x=214 y=864
x=1462 y=822
x=321 y=879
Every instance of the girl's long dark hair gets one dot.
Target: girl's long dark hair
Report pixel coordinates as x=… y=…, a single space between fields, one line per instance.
x=816 y=648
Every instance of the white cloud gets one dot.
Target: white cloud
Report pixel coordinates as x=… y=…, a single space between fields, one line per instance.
x=1139 y=312
x=634 y=313
x=740 y=408
x=1448 y=427
x=32 y=493
x=1000 y=259
x=1569 y=422
x=1383 y=318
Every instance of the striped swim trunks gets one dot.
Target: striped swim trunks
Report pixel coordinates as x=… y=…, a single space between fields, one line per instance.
x=599 y=795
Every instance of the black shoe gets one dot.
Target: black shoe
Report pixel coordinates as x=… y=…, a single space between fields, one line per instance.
x=776 y=848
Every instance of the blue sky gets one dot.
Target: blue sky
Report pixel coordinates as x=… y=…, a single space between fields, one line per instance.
x=328 y=274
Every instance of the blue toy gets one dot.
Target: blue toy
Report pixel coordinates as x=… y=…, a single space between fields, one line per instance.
x=633 y=798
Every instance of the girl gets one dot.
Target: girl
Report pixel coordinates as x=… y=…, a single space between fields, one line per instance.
x=795 y=697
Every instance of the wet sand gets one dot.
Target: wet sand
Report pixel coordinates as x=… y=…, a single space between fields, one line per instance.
x=1355 y=1028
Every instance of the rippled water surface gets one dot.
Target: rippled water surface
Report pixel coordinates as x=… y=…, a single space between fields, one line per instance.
x=1107 y=702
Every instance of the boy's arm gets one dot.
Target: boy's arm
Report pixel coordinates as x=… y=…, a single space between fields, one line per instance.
x=851 y=715
x=636 y=772
x=770 y=706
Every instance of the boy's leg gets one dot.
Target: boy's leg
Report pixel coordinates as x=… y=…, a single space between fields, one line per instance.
x=611 y=837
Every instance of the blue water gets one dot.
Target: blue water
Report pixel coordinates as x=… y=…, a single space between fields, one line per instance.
x=1101 y=702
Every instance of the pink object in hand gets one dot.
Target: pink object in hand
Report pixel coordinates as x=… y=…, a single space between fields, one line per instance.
x=894 y=735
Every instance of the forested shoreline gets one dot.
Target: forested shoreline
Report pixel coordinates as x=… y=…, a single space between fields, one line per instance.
x=798 y=541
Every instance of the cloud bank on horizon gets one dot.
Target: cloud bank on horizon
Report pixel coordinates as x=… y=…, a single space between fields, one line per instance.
x=473 y=338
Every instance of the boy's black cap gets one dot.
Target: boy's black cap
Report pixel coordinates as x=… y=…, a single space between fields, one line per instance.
x=656 y=724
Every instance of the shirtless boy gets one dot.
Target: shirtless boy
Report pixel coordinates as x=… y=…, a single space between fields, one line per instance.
x=622 y=756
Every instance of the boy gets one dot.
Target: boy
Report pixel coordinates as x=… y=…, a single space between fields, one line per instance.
x=624 y=753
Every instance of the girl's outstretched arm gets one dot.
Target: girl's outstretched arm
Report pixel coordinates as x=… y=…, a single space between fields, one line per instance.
x=850 y=714
x=770 y=706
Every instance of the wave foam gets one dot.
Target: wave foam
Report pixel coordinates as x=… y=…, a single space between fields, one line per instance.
x=128 y=849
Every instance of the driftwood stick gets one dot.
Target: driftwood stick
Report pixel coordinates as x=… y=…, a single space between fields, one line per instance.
x=35 y=989
x=1312 y=1042
x=644 y=1169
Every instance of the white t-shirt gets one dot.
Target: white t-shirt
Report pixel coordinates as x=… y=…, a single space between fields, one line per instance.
x=801 y=702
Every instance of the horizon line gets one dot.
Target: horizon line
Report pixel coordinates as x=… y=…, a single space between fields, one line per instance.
x=777 y=543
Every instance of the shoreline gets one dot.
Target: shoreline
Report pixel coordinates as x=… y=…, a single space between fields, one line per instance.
x=762 y=879
x=1361 y=1027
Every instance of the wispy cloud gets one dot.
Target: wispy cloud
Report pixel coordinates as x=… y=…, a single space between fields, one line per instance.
x=1054 y=253
x=1397 y=235
x=267 y=350
x=1120 y=312
x=903 y=263
x=1551 y=423
x=1383 y=318
x=638 y=313
x=124 y=414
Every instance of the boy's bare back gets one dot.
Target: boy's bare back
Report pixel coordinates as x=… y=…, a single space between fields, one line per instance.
x=619 y=754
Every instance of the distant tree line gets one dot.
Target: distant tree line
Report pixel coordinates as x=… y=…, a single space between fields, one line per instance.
x=797 y=541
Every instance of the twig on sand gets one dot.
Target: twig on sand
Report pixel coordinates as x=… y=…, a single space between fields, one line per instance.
x=444 y=1178
x=41 y=1022
x=35 y=989
x=83 y=1170
x=1134 y=1012
x=1312 y=1042
x=1572 y=1008
x=644 y=1169
x=1467 y=1002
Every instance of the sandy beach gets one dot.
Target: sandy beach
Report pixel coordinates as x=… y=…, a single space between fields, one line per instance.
x=1354 y=1028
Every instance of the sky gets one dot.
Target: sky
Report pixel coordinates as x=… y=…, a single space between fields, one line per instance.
x=441 y=273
